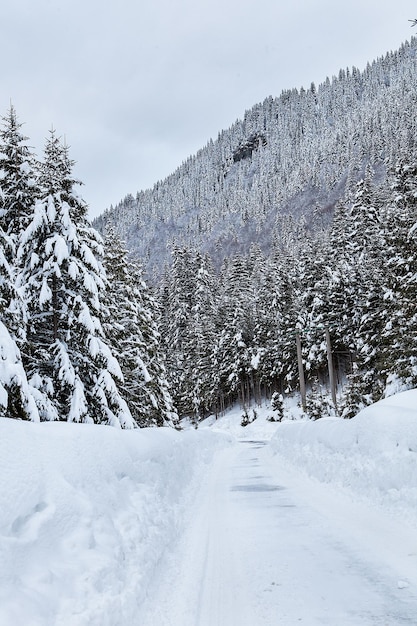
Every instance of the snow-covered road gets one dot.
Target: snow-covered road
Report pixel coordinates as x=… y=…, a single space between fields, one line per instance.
x=271 y=524
x=265 y=545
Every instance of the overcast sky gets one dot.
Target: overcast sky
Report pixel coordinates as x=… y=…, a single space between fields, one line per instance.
x=137 y=86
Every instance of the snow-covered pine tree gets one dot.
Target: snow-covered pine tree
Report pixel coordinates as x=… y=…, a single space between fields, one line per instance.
x=62 y=279
x=134 y=338
x=294 y=319
x=234 y=345
x=277 y=405
x=200 y=340
x=17 y=194
x=18 y=187
x=398 y=362
x=313 y=306
x=177 y=303
x=188 y=320
x=272 y=297
x=16 y=399
x=340 y=289
x=18 y=191
x=163 y=411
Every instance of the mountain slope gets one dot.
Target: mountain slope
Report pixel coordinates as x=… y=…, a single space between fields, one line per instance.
x=295 y=155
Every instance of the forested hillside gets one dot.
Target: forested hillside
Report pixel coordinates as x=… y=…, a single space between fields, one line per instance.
x=297 y=227
x=299 y=218
x=289 y=157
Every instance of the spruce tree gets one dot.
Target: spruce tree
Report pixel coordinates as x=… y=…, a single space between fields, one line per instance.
x=199 y=344
x=18 y=181
x=131 y=327
x=17 y=195
x=234 y=345
x=355 y=293
x=63 y=280
x=18 y=192
x=398 y=360
x=16 y=397
x=177 y=304
x=163 y=411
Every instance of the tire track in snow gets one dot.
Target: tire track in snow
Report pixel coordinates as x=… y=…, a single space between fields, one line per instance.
x=263 y=548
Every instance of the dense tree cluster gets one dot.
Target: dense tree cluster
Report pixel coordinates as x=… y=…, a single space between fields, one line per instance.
x=61 y=359
x=300 y=217
x=231 y=335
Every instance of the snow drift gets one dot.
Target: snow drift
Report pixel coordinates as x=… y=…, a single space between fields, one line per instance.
x=374 y=455
x=86 y=513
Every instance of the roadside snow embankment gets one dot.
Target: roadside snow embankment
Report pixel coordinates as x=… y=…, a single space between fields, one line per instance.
x=86 y=513
x=374 y=454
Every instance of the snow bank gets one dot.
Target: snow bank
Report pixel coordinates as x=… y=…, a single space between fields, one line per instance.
x=86 y=513
x=374 y=454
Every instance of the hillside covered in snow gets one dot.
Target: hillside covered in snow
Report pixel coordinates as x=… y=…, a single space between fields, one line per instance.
x=290 y=158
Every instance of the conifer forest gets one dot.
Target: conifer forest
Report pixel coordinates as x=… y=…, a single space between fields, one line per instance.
x=297 y=226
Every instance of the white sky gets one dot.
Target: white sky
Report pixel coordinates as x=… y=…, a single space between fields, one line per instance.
x=136 y=86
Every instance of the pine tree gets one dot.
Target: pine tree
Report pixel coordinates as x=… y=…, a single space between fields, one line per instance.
x=273 y=301
x=18 y=192
x=398 y=338
x=16 y=397
x=235 y=329
x=134 y=338
x=354 y=295
x=163 y=411
x=365 y=248
x=18 y=187
x=277 y=405
x=200 y=339
x=177 y=305
x=63 y=279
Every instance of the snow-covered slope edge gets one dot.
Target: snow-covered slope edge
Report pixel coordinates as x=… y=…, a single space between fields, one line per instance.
x=374 y=455
x=86 y=513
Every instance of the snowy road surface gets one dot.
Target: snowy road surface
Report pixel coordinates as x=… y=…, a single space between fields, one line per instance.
x=265 y=545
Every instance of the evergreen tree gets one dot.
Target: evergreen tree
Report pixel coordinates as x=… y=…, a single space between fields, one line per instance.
x=200 y=339
x=177 y=303
x=365 y=248
x=18 y=191
x=233 y=352
x=18 y=188
x=277 y=405
x=16 y=397
x=63 y=279
x=163 y=411
x=188 y=328
x=273 y=302
x=399 y=343
x=354 y=295
x=131 y=328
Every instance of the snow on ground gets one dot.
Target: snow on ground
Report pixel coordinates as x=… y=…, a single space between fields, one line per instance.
x=267 y=545
x=373 y=455
x=86 y=513
x=102 y=527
